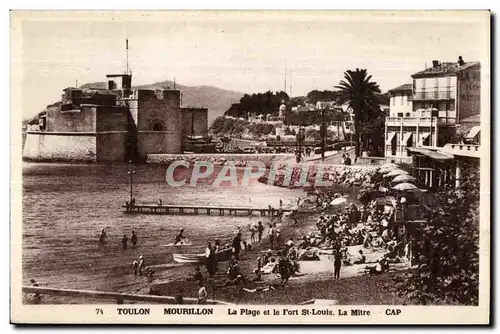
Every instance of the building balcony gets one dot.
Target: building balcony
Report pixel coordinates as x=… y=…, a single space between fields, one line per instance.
x=434 y=95
x=410 y=121
x=464 y=150
x=420 y=121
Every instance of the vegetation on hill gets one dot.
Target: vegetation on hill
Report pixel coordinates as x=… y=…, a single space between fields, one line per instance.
x=447 y=248
x=258 y=104
x=237 y=127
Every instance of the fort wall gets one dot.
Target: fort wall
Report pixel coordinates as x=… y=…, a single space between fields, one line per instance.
x=111 y=146
x=60 y=147
x=78 y=120
x=198 y=116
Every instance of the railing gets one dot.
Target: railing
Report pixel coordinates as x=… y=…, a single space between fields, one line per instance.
x=113 y=296
x=466 y=150
x=425 y=121
x=410 y=120
x=434 y=95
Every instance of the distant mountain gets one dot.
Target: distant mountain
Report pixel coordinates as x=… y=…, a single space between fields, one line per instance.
x=217 y=100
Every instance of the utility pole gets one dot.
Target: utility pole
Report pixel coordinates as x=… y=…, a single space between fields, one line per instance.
x=131 y=173
x=323 y=134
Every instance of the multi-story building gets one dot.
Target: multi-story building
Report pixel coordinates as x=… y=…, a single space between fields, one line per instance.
x=427 y=112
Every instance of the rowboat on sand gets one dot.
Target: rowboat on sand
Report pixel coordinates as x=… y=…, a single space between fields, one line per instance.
x=220 y=256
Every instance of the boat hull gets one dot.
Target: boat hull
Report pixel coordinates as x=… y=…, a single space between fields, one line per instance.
x=220 y=256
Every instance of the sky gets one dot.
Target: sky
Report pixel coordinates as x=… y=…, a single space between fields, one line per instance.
x=246 y=52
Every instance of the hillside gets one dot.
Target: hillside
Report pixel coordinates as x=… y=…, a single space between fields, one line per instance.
x=217 y=100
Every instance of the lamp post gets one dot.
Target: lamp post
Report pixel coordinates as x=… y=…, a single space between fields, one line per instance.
x=131 y=172
x=323 y=134
x=299 y=137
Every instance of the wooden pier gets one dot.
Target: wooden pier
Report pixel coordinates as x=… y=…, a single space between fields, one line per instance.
x=197 y=210
x=119 y=298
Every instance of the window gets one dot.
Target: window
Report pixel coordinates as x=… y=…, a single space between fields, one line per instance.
x=393 y=100
x=157 y=126
x=400 y=114
x=407 y=114
x=402 y=98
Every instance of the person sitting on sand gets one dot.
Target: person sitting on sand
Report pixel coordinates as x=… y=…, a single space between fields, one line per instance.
x=257 y=275
x=232 y=261
x=197 y=276
x=309 y=255
x=179 y=237
x=246 y=246
x=361 y=258
x=267 y=257
x=304 y=243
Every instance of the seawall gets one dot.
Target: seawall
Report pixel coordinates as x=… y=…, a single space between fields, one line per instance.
x=219 y=159
x=60 y=147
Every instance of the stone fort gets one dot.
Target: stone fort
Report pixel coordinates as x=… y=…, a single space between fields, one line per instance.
x=116 y=124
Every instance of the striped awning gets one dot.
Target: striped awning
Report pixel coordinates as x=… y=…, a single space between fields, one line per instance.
x=390 y=137
x=406 y=138
x=424 y=137
x=474 y=132
x=435 y=155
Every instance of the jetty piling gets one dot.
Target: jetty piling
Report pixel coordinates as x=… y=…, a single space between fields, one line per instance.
x=197 y=210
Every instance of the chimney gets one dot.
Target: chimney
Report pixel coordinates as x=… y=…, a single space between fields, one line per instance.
x=435 y=63
x=460 y=61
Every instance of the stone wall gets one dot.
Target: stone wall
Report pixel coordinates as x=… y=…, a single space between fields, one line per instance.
x=218 y=159
x=111 y=118
x=159 y=127
x=200 y=118
x=80 y=121
x=151 y=142
x=55 y=147
x=111 y=146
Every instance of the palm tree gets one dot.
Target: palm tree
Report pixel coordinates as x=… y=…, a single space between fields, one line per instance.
x=361 y=95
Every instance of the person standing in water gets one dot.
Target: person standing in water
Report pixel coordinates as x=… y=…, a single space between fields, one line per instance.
x=179 y=237
x=103 y=237
x=124 y=241
x=133 y=238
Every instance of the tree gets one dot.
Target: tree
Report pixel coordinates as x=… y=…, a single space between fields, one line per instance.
x=259 y=103
x=446 y=248
x=360 y=93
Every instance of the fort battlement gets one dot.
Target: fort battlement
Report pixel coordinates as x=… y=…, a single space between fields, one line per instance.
x=114 y=124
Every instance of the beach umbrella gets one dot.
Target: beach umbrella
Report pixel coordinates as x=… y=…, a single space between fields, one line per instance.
x=389 y=165
x=405 y=186
x=338 y=201
x=404 y=178
x=395 y=172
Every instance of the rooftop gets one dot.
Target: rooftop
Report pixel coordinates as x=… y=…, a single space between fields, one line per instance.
x=445 y=68
x=402 y=88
